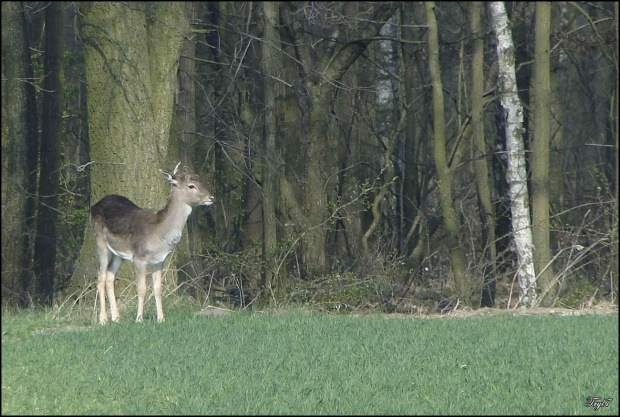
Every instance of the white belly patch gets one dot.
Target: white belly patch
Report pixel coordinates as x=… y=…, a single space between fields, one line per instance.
x=127 y=256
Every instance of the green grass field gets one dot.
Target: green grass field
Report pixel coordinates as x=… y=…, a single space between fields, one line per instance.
x=298 y=363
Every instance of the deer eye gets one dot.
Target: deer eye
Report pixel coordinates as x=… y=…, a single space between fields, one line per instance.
x=192 y=186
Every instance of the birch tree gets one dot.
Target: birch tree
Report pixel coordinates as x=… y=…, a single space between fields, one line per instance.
x=516 y=174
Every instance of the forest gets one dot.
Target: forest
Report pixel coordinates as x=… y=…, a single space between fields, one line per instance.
x=408 y=157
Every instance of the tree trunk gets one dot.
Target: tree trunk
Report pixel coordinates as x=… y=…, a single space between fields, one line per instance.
x=19 y=143
x=186 y=94
x=516 y=174
x=487 y=218
x=131 y=55
x=444 y=174
x=270 y=160
x=540 y=149
x=51 y=135
x=185 y=123
x=314 y=196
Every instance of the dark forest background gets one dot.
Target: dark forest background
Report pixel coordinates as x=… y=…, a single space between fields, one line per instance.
x=313 y=124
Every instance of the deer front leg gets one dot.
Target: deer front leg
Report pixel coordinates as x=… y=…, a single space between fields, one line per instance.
x=103 y=315
x=104 y=256
x=157 y=293
x=140 y=287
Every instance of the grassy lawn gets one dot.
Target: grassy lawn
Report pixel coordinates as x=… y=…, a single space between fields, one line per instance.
x=299 y=363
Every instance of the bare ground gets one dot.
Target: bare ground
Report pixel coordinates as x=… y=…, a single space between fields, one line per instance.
x=605 y=308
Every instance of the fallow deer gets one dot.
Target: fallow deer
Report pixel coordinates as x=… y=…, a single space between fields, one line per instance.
x=143 y=236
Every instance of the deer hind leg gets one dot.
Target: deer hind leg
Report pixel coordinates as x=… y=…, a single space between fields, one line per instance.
x=140 y=287
x=112 y=269
x=157 y=293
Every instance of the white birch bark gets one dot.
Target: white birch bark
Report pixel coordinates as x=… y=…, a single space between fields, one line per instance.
x=516 y=173
x=385 y=85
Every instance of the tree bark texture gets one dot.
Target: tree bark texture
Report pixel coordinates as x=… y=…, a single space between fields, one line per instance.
x=540 y=148
x=483 y=188
x=51 y=137
x=516 y=173
x=185 y=124
x=19 y=142
x=444 y=174
x=270 y=159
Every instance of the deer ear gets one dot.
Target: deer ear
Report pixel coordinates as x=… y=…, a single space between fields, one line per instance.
x=171 y=178
x=186 y=170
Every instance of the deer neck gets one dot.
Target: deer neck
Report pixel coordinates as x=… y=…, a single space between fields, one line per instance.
x=172 y=218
